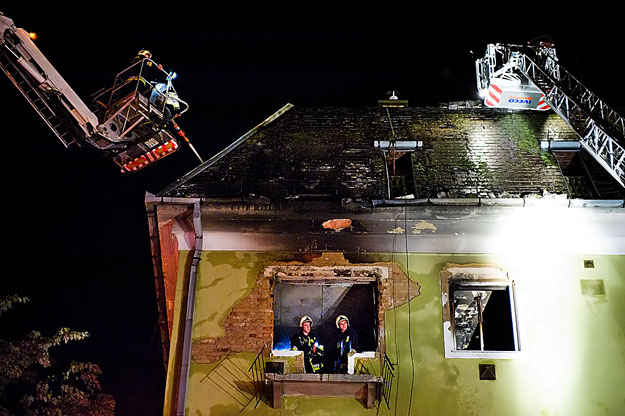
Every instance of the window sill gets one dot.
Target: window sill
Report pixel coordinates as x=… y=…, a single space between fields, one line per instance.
x=351 y=359
x=495 y=355
x=358 y=386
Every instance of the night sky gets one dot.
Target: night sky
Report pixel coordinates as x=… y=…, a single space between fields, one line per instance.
x=76 y=227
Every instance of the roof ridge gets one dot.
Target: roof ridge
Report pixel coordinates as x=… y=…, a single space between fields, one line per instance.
x=214 y=159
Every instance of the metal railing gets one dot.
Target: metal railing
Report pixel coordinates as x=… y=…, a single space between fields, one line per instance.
x=258 y=376
x=388 y=375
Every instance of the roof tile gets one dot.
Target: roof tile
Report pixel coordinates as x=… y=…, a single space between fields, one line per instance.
x=329 y=153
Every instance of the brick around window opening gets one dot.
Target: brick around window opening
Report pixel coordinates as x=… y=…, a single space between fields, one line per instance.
x=326 y=288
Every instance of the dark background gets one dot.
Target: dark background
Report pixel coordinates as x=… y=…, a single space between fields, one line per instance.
x=75 y=227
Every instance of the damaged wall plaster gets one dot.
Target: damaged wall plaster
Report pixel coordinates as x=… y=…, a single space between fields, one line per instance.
x=422 y=226
x=249 y=324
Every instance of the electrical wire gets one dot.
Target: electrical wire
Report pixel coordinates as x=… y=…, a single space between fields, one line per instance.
x=412 y=364
x=393 y=262
x=405 y=212
x=409 y=310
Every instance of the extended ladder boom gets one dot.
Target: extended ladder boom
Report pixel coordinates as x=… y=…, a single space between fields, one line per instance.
x=36 y=79
x=130 y=123
x=600 y=128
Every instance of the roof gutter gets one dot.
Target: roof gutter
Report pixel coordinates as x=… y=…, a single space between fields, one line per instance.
x=504 y=202
x=186 y=345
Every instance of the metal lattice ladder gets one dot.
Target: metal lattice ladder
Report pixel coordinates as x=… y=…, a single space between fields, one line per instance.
x=600 y=128
x=33 y=95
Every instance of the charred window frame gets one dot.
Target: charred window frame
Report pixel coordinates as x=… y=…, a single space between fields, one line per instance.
x=323 y=301
x=324 y=292
x=480 y=318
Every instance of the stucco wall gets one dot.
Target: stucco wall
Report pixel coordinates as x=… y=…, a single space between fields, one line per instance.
x=573 y=345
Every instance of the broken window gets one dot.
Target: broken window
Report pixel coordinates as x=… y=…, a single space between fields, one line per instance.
x=483 y=318
x=480 y=313
x=324 y=293
x=362 y=292
x=323 y=302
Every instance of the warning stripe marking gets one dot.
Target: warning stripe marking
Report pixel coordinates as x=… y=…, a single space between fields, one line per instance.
x=151 y=156
x=493 y=96
x=542 y=104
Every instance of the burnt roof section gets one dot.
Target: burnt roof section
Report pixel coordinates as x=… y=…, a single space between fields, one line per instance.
x=329 y=153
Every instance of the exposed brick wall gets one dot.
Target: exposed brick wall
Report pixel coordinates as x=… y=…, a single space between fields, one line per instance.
x=249 y=325
x=169 y=260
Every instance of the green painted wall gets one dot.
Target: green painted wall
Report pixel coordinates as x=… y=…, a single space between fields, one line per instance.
x=572 y=363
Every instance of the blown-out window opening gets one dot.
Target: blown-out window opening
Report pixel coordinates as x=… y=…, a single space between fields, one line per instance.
x=480 y=314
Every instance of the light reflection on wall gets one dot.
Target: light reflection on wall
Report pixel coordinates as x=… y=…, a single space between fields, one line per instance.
x=477 y=144
x=545 y=230
x=534 y=244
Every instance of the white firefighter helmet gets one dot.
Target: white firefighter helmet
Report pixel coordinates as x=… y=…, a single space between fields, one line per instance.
x=341 y=318
x=305 y=318
x=144 y=53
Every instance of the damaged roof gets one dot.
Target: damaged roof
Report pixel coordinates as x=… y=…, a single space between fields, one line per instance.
x=440 y=152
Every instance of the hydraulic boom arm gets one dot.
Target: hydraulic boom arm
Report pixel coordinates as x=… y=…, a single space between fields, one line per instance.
x=130 y=122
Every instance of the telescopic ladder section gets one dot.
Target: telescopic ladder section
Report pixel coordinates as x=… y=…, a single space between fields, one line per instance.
x=600 y=128
x=34 y=96
x=134 y=128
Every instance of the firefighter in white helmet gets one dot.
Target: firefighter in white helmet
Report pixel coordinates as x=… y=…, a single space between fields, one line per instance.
x=346 y=342
x=143 y=54
x=305 y=341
